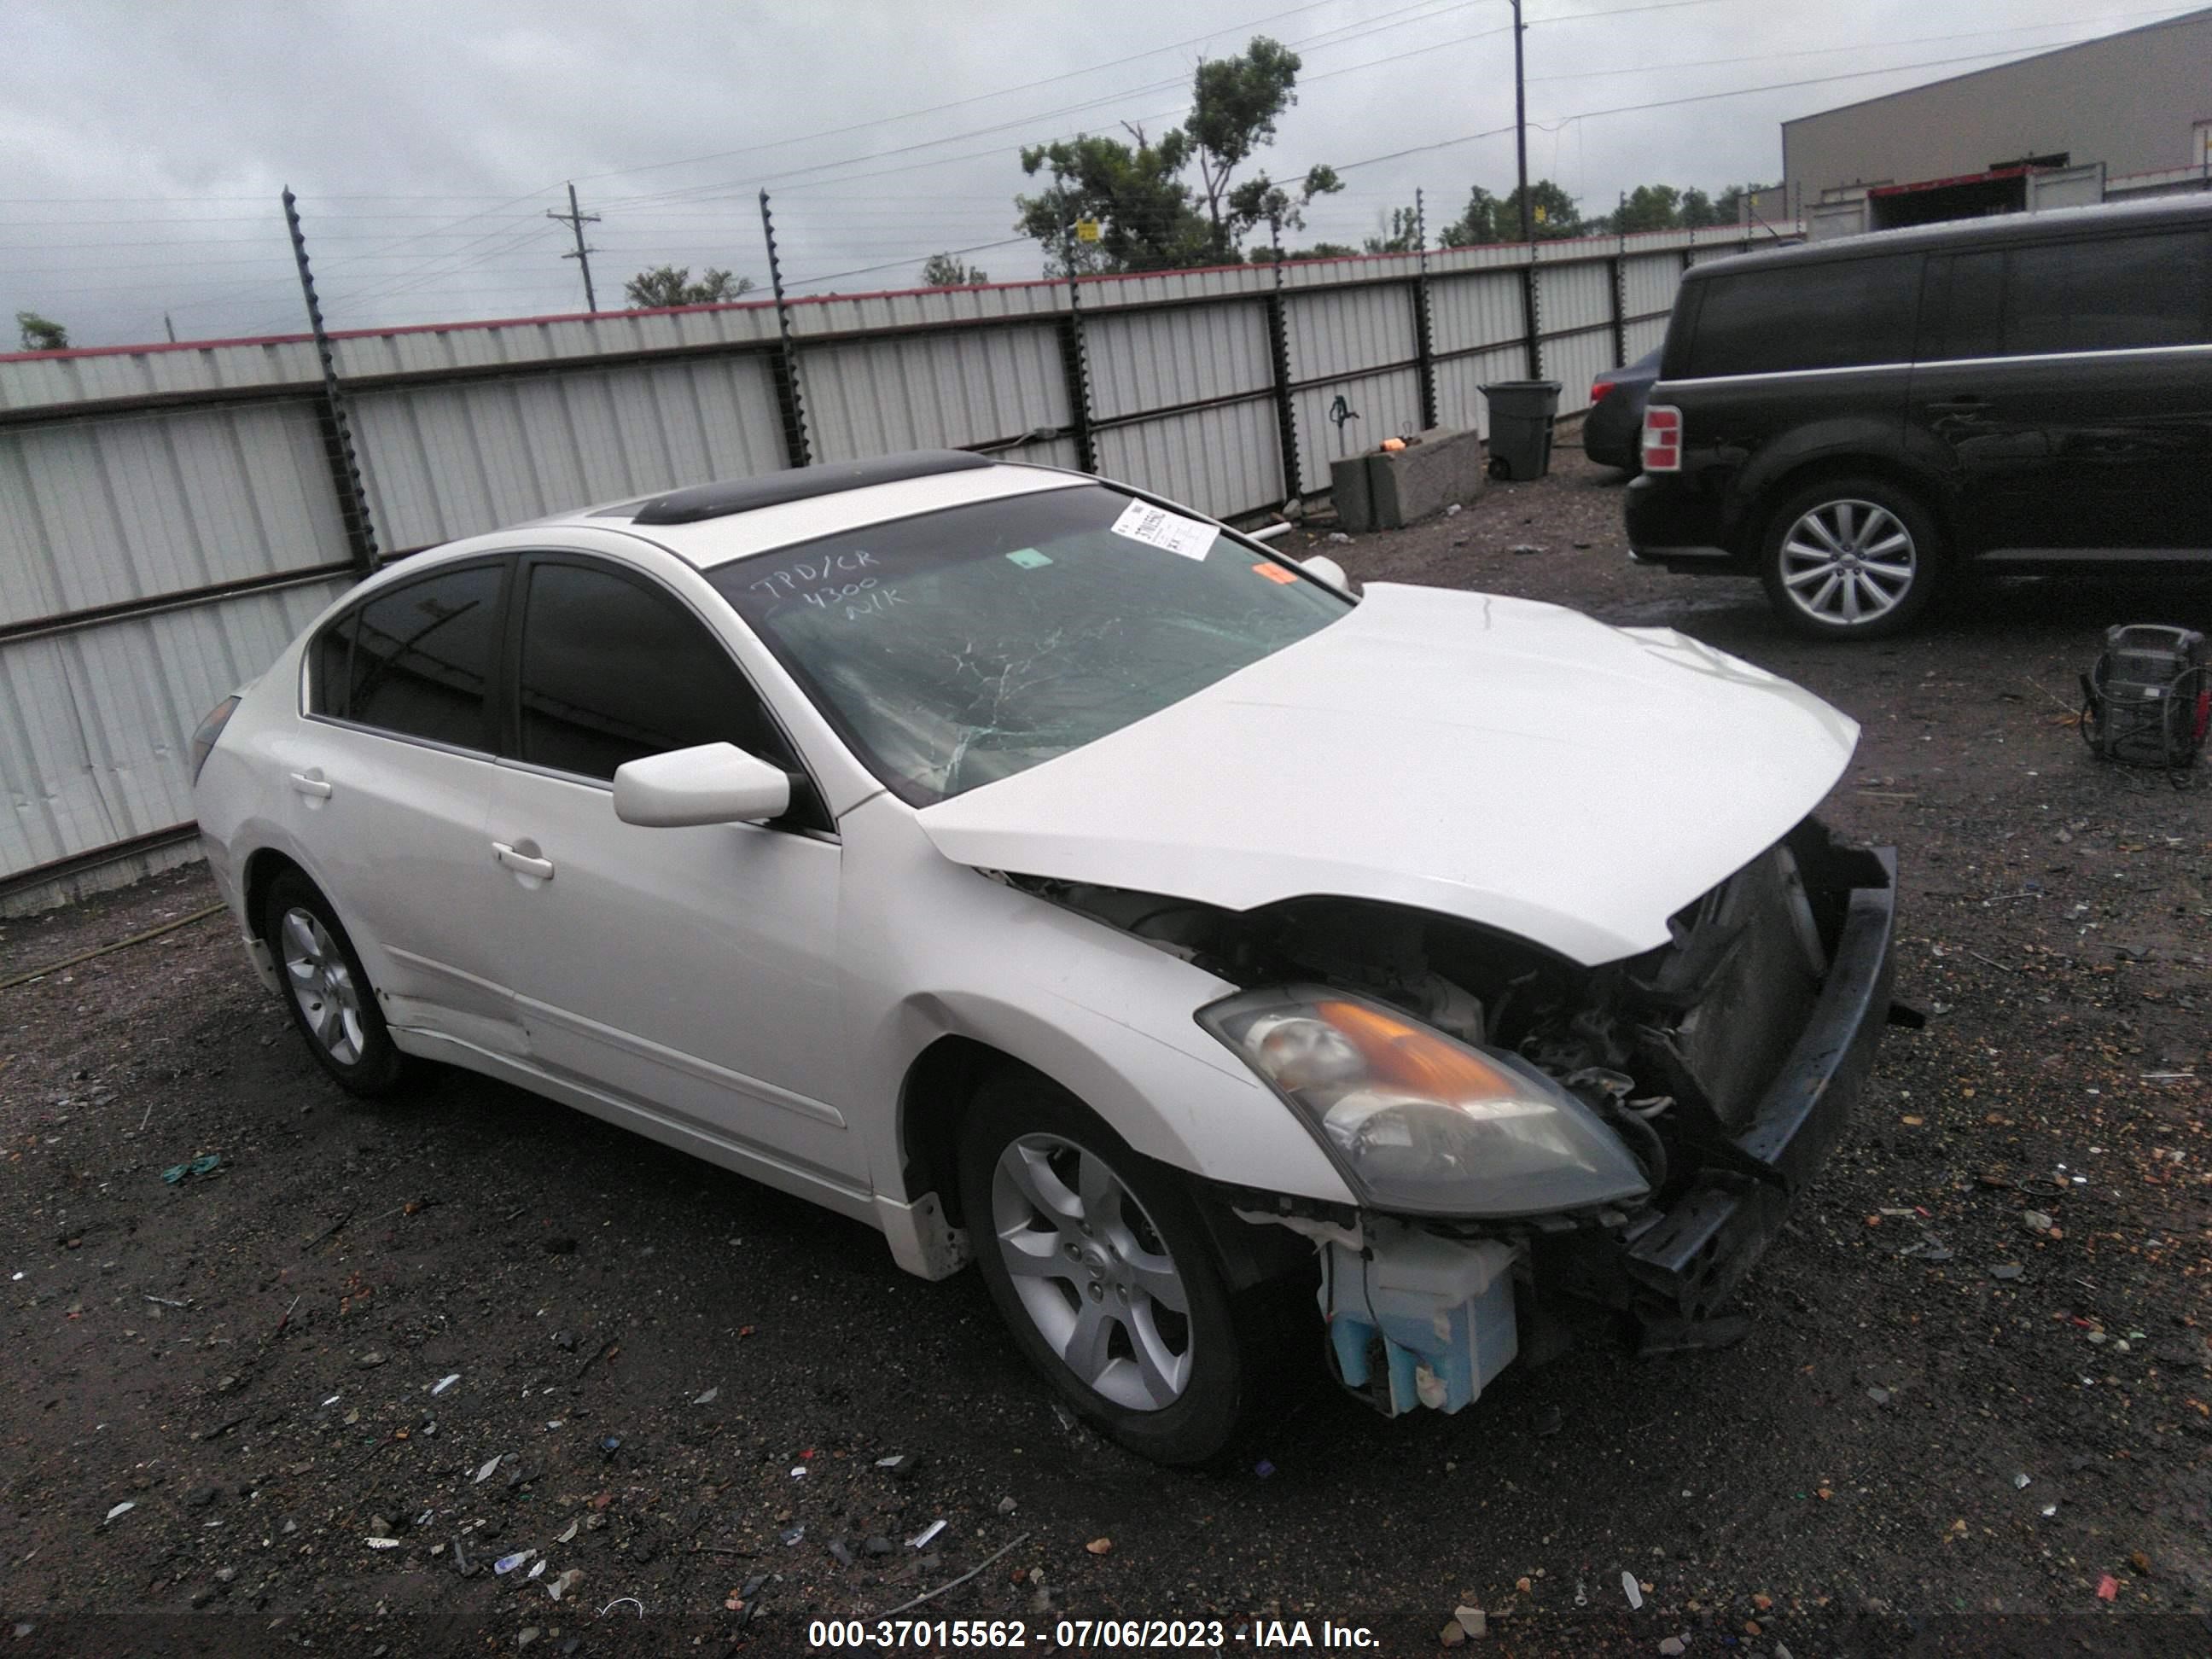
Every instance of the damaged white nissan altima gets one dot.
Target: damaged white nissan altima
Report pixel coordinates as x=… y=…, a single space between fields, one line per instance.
x=1060 y=881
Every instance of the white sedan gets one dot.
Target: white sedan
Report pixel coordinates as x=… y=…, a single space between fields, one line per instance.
x=1061 y=881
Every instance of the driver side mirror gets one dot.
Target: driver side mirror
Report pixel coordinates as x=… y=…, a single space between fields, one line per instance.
x=713 y=783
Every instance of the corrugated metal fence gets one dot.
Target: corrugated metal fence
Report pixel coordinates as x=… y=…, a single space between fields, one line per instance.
x=170 y=515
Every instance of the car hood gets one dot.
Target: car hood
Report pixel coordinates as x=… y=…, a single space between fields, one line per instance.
x=1515 y=764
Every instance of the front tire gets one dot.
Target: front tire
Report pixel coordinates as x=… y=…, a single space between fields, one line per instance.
x=1850 y=558
x=327 y=991
x=1102 y=1269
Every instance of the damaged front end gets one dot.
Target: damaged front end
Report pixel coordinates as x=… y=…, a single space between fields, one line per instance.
x=1519 y=1127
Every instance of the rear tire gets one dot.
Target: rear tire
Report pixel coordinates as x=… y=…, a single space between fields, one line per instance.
x=1101 y=1266
x=327 y=991
x=1850 y=558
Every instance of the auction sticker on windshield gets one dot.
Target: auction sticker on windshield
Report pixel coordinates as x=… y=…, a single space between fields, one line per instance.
x=1155 y=526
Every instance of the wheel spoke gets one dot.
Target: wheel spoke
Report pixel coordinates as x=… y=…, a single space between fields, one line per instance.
x=1089 y=1343
x=1101 y=1194
x=1811 y=573
x=1031 y=1254
x=1819 y=602
x=1820 y=532
x=1155 y=1276
x=1046 y=1192
x=1850 y=594
x=299 y=939
x=1161 y=1371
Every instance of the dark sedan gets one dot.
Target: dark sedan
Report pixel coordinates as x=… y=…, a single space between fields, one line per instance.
x=1611 y=431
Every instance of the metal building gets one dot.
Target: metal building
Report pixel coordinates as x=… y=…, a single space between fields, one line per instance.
x=2123 y=115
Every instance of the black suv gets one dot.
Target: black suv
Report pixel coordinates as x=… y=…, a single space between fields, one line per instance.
x=1858 y=422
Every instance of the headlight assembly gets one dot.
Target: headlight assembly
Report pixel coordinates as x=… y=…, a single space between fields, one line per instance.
x=1420 y=1123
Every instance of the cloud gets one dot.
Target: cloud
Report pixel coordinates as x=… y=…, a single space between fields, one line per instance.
x=147 y=145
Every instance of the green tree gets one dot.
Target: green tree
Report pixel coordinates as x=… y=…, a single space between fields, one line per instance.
x=1132 y=193
x=1403 y=235
x=944 y=270
x=1697 y=210
x=1487 y=218
x=671 y=285
x=1477 y=224
x=1264 y=254
x=1648 y=207
x=1728 y=205
x=40 y=333
x=1149 y=217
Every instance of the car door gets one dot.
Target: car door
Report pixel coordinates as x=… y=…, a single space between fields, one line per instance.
x=2071 y=396
x=388 y=781
x=689 y=971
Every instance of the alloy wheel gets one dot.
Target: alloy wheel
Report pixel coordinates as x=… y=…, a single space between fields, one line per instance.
x=1092 y=1271
x=1848 y=562
x=323 y=985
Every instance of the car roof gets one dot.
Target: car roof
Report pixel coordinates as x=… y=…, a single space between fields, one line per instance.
x=2105 y=218
x=711 y=525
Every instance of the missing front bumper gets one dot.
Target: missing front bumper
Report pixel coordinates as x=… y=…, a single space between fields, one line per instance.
x=1693 y=1256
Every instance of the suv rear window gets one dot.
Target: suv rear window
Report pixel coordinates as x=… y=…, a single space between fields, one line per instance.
x=2109 y=295
x=1837 y=313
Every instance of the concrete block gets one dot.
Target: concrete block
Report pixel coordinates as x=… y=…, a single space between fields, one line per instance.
x=1419 y=481
x=1352 y=491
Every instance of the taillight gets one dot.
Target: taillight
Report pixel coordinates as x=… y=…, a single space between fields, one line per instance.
x=1600 y=390
x=1662 y=439
x=210 y=729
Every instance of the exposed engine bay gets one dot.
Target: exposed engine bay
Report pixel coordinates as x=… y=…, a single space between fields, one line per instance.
x=1686 y=1053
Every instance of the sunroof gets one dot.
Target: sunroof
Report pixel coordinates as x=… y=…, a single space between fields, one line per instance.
x=717 y=500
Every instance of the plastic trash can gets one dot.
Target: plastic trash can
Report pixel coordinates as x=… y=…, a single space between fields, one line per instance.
x=1520 y=417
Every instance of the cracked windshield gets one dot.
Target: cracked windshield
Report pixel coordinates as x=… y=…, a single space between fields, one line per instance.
x=963 y=647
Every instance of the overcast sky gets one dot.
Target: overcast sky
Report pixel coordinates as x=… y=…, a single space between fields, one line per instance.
x=143 y=144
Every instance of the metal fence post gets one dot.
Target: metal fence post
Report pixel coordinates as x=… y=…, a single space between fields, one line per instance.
x=1531 y=318
x=1616 y=272
x=1278 y=347
x=331 y=416
x=1075 y=355
x=786 y=371
x=1425 y=337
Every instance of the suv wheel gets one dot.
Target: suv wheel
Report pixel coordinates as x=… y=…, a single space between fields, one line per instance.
x=1849 y=558
x=1102 y=1271
x=327 y=991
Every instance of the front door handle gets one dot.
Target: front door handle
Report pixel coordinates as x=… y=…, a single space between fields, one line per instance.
x=522 y=863
x=312 y=783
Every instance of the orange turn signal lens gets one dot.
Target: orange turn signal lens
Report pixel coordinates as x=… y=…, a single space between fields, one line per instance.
x=1416 y=1059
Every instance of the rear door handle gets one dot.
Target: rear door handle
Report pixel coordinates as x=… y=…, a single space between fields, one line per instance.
x=312 y=782
x=1958 y=406
x=522 y=863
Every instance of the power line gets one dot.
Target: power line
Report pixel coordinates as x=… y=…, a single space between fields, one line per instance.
x=1026 y=86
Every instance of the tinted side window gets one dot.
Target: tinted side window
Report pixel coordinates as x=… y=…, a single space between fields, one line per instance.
x=422 y=658
x=2105 y=295
x=329 y=668
x=612 y=671
x=1834 y=314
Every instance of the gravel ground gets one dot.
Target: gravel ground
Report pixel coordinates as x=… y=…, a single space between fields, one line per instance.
x=1955 y=1426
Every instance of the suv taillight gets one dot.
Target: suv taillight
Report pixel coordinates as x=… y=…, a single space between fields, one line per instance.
x=1600 y=390
x=1662 y=439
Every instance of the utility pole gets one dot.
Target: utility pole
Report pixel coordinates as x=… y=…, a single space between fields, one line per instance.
x=1521 y=125
x=171 y=326
x=576 y=220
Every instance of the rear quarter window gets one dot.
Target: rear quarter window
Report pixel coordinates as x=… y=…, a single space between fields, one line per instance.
x=1834 y=313
x=2119 y=293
